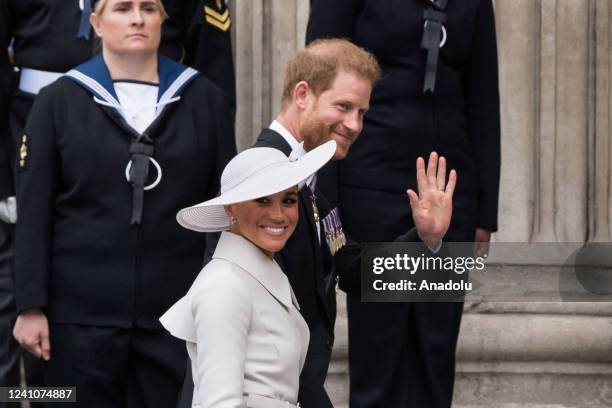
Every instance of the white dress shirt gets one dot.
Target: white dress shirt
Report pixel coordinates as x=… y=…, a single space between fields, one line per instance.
x=297 y=151
x=245 y=335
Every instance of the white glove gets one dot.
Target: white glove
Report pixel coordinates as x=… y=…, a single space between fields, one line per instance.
x=8 y=210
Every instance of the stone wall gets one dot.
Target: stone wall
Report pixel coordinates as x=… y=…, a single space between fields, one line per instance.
x=555 y=67
x=554 y=79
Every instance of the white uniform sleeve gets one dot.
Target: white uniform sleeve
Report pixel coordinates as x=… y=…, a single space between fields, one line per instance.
x=222 y=314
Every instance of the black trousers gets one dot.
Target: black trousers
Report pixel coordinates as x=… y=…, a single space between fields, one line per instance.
x=312 y=393
x=115 y=367
x=401 y=355
x=9 y=349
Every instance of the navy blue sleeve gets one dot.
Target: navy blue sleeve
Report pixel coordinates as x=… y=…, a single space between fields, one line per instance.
x=6 y=81
x=225 y=138
x=226 y=150
x=37 y=178
x=208 y=46
x=481 y=87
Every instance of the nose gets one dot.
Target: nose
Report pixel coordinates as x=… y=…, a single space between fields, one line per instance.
x=353 y=121
x=277 y=212
x=137 y=17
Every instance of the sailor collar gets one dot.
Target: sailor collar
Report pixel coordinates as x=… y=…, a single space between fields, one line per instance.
x=243 y=253
x=94 y=76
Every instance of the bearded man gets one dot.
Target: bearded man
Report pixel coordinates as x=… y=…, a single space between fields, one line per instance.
x=326 y=94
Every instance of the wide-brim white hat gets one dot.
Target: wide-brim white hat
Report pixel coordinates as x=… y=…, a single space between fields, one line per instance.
x=253 y=173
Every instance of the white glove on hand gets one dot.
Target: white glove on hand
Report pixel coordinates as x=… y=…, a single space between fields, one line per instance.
x=8 y=210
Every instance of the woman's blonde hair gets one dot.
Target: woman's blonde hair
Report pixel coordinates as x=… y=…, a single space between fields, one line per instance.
x=101 y=4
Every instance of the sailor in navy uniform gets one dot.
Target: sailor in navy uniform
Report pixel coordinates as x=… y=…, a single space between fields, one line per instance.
x=439 y=92
x=49 y=37
x=104 y=165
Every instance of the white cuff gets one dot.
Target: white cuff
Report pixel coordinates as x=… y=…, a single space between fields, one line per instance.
x=435 y=247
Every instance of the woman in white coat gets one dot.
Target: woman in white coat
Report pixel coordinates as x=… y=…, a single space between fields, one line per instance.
x=245 y=336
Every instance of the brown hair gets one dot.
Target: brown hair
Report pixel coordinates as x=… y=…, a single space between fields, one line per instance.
x=99 y=6
x=319 y=63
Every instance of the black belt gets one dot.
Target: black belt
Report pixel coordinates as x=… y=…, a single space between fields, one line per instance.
x=433 y=33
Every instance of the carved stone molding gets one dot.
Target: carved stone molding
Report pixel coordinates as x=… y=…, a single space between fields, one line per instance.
x=600 y=107
x=266 y=34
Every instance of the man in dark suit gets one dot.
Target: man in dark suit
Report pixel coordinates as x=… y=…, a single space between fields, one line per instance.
x=326 y=93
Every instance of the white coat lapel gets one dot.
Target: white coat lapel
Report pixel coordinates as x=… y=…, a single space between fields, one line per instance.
x=246 y=255
x=243 y=253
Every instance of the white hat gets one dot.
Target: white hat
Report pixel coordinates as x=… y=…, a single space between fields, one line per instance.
x=254 y=173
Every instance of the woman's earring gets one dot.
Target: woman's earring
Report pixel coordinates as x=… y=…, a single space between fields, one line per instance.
x=233 y=221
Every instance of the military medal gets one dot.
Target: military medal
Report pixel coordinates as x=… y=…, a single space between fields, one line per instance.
x=315 y=213
x=334 y=235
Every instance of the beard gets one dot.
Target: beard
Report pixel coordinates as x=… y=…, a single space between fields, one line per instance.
x=314 y=132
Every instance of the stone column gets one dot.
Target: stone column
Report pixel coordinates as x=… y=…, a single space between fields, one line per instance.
x=555 y=86
x=266 y=34
x=600 y=107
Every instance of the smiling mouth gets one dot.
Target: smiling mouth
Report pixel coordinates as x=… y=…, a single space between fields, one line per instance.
x=274 y=230
x=344 y=136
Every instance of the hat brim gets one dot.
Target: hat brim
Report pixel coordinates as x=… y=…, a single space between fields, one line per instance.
x=210 y=215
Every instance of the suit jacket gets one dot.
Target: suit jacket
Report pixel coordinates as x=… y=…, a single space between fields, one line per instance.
x=309 y=265
x=242 y=326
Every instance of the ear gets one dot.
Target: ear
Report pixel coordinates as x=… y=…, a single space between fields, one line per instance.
x=228 y=210
x=301 y=94
x=95 y=23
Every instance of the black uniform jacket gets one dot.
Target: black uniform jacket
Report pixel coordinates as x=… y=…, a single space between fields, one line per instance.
x=198 y=34
x=310 y=267
x=77 y=255
x=460 y=120
x=43 y=34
